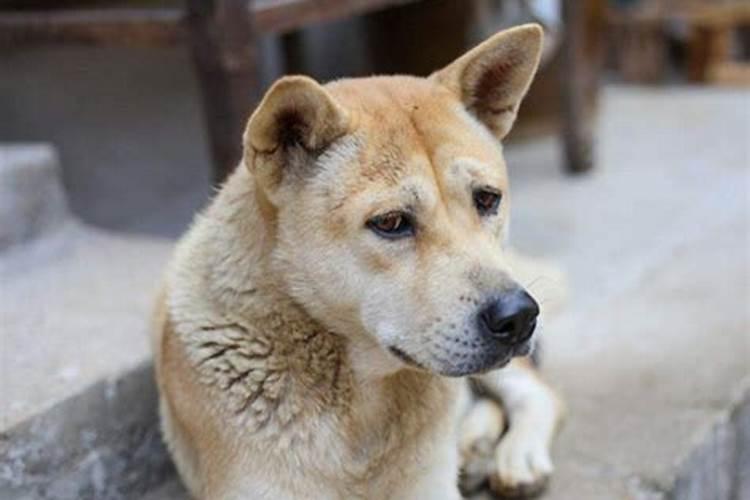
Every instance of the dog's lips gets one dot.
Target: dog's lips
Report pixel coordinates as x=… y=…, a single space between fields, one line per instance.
x=486 y=363
x=502 y=362
x=481 y=364
x=403 y=356
x=478 y=365
x=523 y=349
x=516 y=351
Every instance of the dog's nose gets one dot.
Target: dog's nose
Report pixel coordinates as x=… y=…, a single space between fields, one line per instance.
x=511 y=318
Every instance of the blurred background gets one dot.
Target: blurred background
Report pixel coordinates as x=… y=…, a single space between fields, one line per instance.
x=630 y=166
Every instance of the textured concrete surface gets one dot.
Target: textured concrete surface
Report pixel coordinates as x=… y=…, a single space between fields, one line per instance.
x=169 y=490
x=656 y=341
x=77 y=404
x=75 y=309
x=100 y=443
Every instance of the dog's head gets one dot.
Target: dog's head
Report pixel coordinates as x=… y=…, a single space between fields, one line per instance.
x=389 y=199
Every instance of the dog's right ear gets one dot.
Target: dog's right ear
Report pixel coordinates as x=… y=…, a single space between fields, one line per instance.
x=295 y=121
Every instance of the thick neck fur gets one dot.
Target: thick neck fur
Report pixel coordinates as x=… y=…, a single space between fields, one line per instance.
x=277 y=365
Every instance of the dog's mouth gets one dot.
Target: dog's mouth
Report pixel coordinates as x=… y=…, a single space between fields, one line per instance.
x=524 y=349
x=477 y=364
x=400 y=354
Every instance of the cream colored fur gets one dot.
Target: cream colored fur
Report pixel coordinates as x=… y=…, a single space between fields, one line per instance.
x=280 y=306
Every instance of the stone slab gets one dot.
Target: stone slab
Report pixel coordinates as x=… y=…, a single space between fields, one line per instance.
x=102 y=443
x=77 y=399
x=75 y=309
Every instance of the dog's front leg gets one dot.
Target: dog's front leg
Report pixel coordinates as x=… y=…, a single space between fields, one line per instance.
x=437 y=478
x=522 y=457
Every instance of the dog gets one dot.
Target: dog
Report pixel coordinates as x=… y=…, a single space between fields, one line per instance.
x=321 y=320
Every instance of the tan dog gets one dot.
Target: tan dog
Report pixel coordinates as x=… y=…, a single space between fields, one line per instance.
x=319 y=315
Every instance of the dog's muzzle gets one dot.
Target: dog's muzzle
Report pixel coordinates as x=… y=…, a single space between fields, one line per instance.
x=504 y=327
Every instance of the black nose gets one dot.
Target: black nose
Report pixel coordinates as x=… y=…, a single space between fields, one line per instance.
x=511 y=318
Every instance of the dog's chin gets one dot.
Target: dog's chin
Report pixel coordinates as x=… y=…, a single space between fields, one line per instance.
x=472 y=367
x=477 y=364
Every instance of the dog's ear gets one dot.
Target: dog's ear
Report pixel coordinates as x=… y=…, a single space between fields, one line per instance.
x=296 y=119
x=492 y=78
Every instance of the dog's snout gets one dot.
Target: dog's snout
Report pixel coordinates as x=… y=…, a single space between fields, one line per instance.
x=511 y=318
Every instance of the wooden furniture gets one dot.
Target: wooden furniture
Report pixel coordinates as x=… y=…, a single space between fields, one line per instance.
x=221 y=35
x=713 y=29
x=641 y=39
x=579 y=77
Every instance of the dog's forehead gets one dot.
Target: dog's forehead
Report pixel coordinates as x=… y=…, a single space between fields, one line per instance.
x=414 y=126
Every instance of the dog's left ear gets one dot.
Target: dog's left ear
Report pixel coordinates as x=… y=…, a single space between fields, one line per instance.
x=492 y=78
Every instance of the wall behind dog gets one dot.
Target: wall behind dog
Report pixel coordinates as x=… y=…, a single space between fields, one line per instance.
x=128 y=123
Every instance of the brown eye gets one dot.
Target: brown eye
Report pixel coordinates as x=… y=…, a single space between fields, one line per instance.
x=391 y=225
x=487 y=202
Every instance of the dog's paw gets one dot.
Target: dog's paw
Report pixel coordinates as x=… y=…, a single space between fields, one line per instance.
x=477 y=465
x=522 y=465
x=478 y=438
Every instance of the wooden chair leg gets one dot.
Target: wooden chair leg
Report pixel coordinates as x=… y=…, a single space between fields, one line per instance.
x=222 y=41
x=576 y=125
x=293 y=50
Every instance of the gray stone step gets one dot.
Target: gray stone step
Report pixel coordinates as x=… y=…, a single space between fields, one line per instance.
x=77 y=407
x=171 y=489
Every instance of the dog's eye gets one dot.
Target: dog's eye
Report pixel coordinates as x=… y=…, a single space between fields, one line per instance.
x=487 y=202
x=391 y=225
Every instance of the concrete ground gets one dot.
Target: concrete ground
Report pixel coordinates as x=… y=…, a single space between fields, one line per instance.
x=77 y=398
x=652 y=351
x=655 y=342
